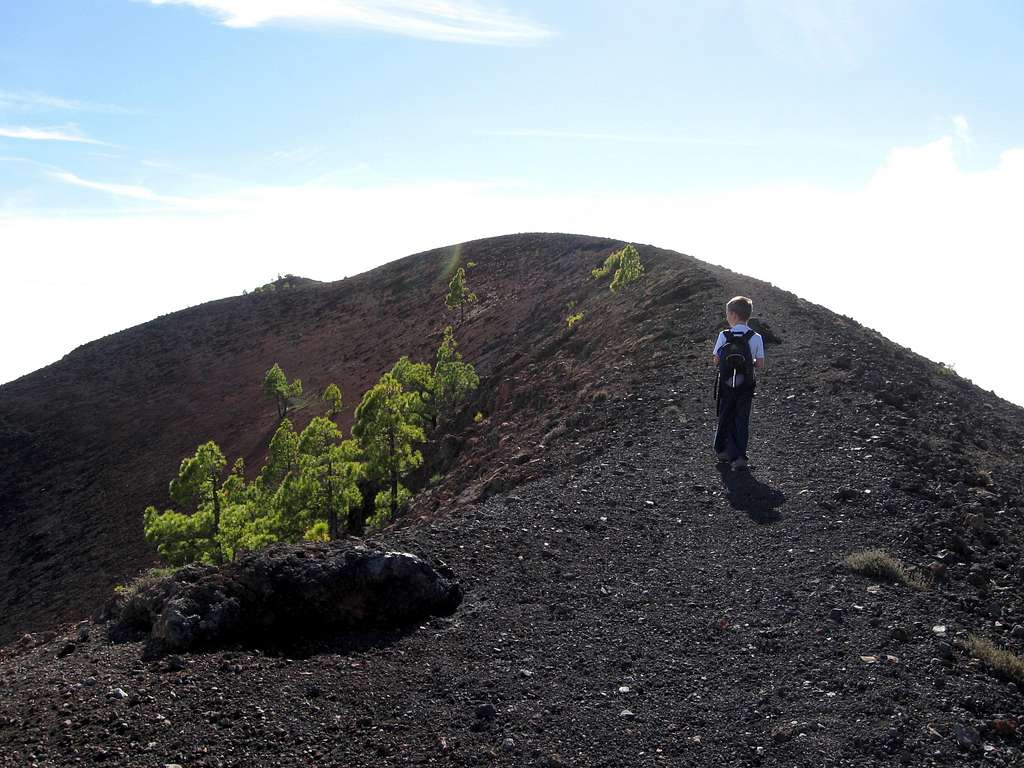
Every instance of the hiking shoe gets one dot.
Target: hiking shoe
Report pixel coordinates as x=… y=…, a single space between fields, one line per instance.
x=723 y=456
x=740 y=463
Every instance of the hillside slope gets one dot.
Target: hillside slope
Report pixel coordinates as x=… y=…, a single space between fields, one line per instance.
x=626 y=602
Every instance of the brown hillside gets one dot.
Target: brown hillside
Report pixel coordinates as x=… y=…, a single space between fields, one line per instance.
x=89 y=441
x=626 y=603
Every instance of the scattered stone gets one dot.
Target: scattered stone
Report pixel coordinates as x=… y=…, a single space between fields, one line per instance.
x=967 y=736
x=66 y=649
x=783 y=733
x=627 y=714
x=940 y=630
x=1005 y=728
x=486 y=712
x=836 y=614
x=900 y=634
x=623 y=689
x=1017 y=631
x=846 y=494
x=508 y=745
x=946 y=650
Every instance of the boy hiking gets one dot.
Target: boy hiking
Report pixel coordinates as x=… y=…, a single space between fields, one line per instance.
x=738 y=352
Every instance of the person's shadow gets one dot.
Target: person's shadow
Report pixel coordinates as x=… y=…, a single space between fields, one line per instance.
x=748 y=494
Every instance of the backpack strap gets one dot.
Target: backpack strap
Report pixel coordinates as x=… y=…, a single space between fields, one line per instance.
x=749 y=335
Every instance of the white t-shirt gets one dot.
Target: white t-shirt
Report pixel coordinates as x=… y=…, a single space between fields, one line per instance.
x=756 y=349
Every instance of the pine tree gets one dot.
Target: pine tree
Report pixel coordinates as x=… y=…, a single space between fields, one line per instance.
x=454 y=380
x=333 y=465
x=626 y=265
x=182 y=537
x=282 y=456
x=417 y=379
x=388 y=430
x=459 y=294
x=630 y=269
x=332 y=396
x=277 y=388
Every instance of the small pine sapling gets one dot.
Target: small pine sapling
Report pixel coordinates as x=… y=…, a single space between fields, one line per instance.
x=625 y=265
x=388 y=429
x=277 y=388
x=332 y=396
x=454 y=380
x=182 y=537
x=459 y=294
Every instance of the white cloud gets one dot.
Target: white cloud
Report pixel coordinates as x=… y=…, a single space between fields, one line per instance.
x=122 y=190
x=961 y=129
x=625 y=138
x=31 y=101
x=210 y=204
x=22 y=101
x=457 y=21
x=924 y=252
x=298 y=155
x=825 y=34
x=68 y=133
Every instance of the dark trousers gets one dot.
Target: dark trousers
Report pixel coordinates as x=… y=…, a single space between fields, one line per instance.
x=733 y=421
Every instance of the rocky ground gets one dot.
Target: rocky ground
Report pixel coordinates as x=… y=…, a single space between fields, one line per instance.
x=635 y=605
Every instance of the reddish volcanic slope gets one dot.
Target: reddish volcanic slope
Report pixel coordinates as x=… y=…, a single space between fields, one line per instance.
x=626 y=602
x=88 y=442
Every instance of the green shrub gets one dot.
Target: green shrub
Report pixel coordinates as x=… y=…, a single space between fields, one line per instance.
x=573 y=320
x=626 y=266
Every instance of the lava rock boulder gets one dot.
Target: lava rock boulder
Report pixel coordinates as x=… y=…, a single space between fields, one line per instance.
x=273 y=596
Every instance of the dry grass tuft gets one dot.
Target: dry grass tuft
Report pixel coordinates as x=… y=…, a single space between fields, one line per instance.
x=1004 y=663
x=879 y=564
x=143 y=580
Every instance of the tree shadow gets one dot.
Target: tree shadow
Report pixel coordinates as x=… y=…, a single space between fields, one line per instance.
x=748 y=494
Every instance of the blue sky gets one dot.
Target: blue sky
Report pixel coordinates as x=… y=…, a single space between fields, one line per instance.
x=142 y=139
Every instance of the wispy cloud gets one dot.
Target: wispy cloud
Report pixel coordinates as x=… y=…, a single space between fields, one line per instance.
x=69 y=133
x=626 y=138
x=454 y=21
x=825 y=34
x=161 y=202
x=121 y=190
x=145 y=194
x=298 y=155
x=961 y=129
x=31 y=101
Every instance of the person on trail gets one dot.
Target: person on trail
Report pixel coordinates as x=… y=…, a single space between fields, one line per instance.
x=739 y=351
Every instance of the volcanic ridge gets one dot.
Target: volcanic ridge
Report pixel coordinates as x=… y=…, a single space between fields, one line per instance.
x=607 y=595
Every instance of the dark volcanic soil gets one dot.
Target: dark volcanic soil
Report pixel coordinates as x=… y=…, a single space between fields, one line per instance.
x=626 y=602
